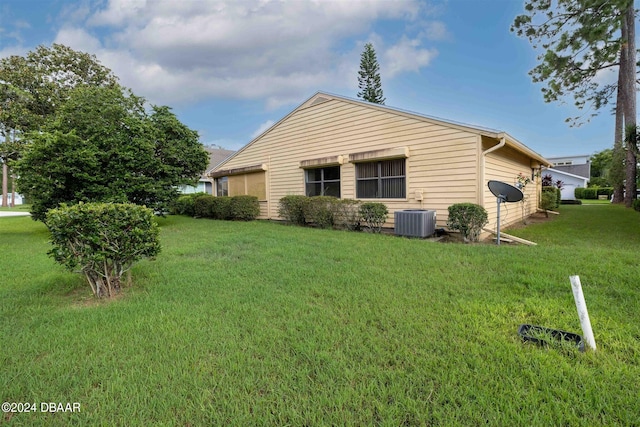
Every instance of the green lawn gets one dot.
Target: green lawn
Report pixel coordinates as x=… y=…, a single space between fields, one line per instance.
x=265 y=324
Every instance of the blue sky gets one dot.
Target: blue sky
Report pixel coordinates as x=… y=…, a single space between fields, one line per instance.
x=230 y=69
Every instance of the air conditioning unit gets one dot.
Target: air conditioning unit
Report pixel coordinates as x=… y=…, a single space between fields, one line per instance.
x=415 y=222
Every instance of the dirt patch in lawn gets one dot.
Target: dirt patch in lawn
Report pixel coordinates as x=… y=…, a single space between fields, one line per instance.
x=536 y=218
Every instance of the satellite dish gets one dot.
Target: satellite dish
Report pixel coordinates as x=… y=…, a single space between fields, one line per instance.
x=504 y=193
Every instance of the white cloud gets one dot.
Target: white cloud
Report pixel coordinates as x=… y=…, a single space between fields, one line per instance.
x=186 y=51
x=263 y=127
x=436 y=30
x=407 y=55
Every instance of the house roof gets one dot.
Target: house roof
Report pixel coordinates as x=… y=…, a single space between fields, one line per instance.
x=560 y=172
x=320 y=97
x=582 y=170
x=216 y=156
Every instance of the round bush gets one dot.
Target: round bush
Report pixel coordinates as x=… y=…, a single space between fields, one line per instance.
x=102 y=240
x=292 y=208
x=202 y=206
x=244 y=208
x=374 y=215
x=469 y=219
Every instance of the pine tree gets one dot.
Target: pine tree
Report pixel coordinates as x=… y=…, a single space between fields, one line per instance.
x=369 y=77
x=580 y=39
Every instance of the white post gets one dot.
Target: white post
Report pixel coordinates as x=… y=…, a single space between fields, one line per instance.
x=581 y=305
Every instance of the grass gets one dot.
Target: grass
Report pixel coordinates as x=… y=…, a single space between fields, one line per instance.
x=595 y=202
x=264 y=324
x=19 y=208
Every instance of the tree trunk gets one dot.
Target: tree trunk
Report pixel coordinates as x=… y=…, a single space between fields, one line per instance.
x=5 y=174
x=5 y=180
x=617 y=171
x=13 y=191
x=628 y=73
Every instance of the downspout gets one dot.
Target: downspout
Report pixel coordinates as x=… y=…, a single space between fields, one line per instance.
x=483 y=155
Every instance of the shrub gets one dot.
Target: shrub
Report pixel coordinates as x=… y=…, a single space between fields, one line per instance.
x=548 y=199
x=579 y=193
x=102 y=240
x=374 y=215
x=321 y=210
x=557 y=195
x=184 y=204
x=636 y=204
x=221 y=207
x=590 y=193
x=605 y=191
x=202 y=206
x=469 y=219
x=347 y=214
x=292 y=209
x=244 y=208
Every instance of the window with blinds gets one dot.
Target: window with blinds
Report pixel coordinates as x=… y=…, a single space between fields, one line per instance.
x=381 y=179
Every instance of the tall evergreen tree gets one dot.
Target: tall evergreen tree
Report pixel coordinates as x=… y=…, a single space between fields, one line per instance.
x=369 y=77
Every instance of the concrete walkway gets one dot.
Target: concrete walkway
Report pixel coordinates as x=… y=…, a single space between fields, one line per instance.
x=14 y=213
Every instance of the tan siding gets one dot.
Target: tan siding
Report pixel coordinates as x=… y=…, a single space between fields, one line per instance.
x=443 y=160
x=504 y=165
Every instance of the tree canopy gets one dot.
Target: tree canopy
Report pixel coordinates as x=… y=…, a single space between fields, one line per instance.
x=369 y=77
x=581 y=39
x=601 y=163
x=103 y=146
x=33 y=87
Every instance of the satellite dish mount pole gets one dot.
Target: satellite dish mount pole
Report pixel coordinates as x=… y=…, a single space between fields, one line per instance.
x=499 y=200
x=504 y=193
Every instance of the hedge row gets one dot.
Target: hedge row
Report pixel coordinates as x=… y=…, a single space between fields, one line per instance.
x=201 y=205
x=592 y=193
x=331 y=212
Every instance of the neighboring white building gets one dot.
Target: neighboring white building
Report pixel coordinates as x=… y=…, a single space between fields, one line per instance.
x=573 y=171
x=16 y=199
x=569 y=182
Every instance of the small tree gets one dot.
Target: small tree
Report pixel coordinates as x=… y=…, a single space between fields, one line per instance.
x=102 y=241
x=369 y=77
x=469 y=219
x=548 y=199
x=521 y=182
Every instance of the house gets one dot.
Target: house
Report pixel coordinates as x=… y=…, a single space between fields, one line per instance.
x=573 y=171
x=205 y=183
x=343 y=147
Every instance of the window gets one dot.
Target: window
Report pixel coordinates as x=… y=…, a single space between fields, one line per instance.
x=323 y=181
x=381 y=180
x=251 y=184
x=222 y=186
